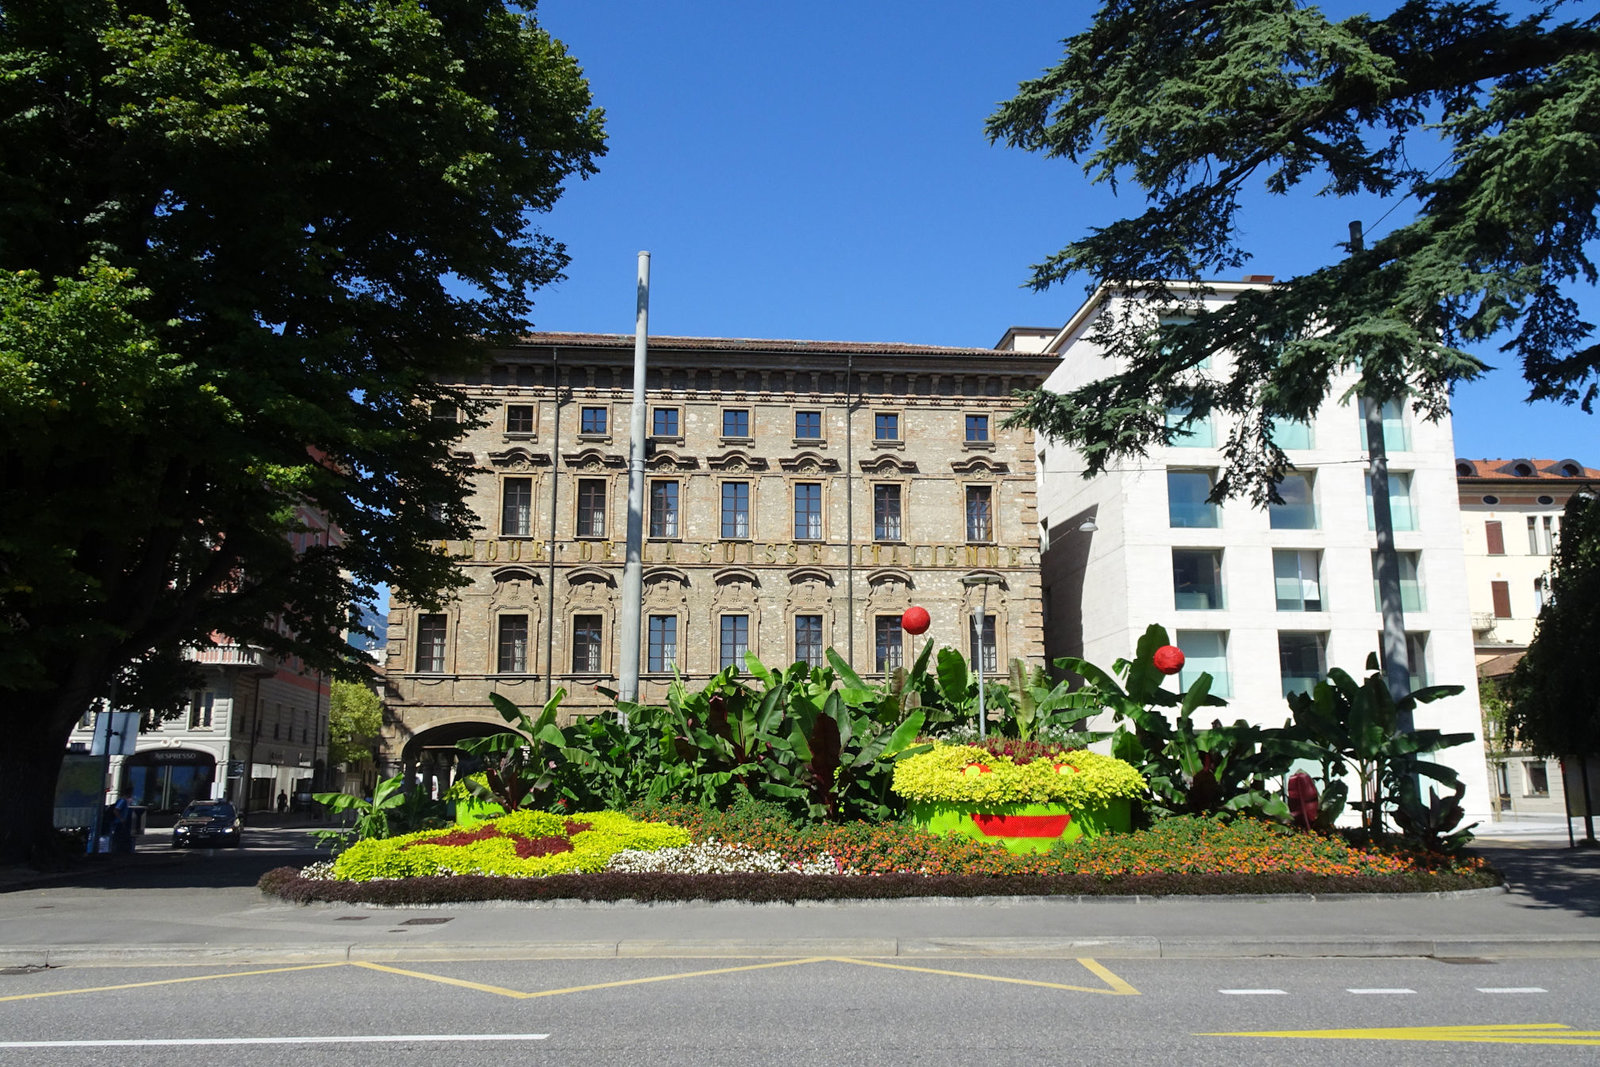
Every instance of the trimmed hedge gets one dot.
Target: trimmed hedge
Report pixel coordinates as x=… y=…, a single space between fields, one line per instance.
x=286 y=883
x=967 y=774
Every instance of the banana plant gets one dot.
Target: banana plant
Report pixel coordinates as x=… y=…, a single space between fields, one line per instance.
x=516 y=769
x=393 y=809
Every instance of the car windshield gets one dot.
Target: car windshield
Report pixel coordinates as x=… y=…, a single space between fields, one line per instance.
x=209 y=811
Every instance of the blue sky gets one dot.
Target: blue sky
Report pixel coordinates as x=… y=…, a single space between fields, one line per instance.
x=819 y=171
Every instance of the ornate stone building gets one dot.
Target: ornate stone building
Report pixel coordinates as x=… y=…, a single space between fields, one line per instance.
x=799 y=495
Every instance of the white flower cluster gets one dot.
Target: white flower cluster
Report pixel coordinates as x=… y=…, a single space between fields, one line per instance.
x=714 y=857
x=322 y=871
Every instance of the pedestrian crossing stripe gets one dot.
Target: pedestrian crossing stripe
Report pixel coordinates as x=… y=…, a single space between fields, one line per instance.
x=1506 y=1034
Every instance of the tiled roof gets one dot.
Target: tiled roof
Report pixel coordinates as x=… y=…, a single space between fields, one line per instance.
x=753 y=344
x=1525 y=470
x=1500 y=666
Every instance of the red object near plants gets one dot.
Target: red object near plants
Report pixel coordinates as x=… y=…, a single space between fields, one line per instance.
x=1168 y=659
x=1302 y=800
x=915 y=620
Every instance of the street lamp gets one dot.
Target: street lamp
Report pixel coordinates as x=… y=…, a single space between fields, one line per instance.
x=980 y=615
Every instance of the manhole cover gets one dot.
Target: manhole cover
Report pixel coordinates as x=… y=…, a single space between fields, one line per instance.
x=426 y=922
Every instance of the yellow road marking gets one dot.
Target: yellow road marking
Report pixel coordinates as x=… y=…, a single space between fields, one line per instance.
x=1500 y=1034
x=519 y=995
x=168 y=981
x=1119 y=988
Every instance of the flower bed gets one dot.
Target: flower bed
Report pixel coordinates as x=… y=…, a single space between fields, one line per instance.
x=1022 y=797
x=1179 y=856
x=522 y=844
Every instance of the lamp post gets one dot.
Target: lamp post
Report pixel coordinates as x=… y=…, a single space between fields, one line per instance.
x=980 y=615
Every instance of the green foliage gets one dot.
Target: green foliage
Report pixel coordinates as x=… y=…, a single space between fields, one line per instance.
x=355 y=717
x=516 y=769
x=1192 y=102
x=1217 y=770
x=583 y=844
x=1079 y=779
x=1553 y=695
x=1353 y=728
x=393 y=810
x=240 y=246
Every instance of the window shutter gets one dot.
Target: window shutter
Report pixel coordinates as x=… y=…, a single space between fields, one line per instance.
x=1497 y=538
x=1502 y=599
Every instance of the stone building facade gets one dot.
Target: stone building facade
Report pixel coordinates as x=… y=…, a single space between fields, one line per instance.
x=799 y=495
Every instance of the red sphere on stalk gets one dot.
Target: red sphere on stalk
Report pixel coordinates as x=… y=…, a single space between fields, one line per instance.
x=915 y=620
x=1168 y=659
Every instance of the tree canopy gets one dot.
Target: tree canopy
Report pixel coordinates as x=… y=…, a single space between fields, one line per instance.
x=1553 y=695
x=1196 y=101
x=355 y=716
x=239 y=245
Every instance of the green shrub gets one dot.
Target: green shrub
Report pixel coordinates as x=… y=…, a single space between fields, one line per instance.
x=1079 y=779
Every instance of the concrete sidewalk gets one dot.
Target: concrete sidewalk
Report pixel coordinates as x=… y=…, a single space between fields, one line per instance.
x=161 y=908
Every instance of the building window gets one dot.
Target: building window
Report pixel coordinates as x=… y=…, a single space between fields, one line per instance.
x=592 y=421
x=736 y=422
x=808 y=425
x=977 y=428
x=586 y=644
x=201 y=705
x=663 y=508
x=1417 y=659
x=1291 y=433
x=1400 y=508
x=808 y=511
x=591 y=507
x=519 y=418
x=1164 y=328
x=1189 y=431
x=1187 y=503
x=664 y=422
x=1197 y=579
x=1410 y=582
x=1541 y=537
x=516 y=507
x=1205 y=652
x=1395 y=437
x=1500 y=593
x=1541 y=594
x=980 y=513
x=1494 y=535
x=1296 y=576
x=513 y=644
x=735 y=641
x=1502 y=780
x=662 y=653
x=1538 y=775
x=443 y=411
x=736 y=509
x=1300 y=661
x=808 y=640
x=1298 y=511
x=886 y=426
x=886 y=513
x=889 y=643
x=430 y=643
x=991 y=651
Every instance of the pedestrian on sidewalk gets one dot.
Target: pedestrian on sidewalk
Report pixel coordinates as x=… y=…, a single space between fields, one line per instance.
x=283 y=802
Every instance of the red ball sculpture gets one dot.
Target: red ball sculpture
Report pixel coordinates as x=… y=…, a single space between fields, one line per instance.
x=915 y=620
x=1168 y=659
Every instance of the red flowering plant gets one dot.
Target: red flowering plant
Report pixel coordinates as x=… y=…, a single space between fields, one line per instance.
x=1216 y=770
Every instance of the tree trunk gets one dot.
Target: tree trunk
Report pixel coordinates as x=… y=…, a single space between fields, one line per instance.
x=30 y=762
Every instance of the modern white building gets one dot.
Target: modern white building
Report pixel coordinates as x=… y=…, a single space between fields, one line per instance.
x=1265 y=600
x=1511 y=523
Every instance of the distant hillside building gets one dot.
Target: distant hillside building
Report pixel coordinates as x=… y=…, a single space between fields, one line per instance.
x=800 y=495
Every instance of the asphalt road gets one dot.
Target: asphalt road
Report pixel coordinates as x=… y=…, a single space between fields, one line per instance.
x=824 y=1011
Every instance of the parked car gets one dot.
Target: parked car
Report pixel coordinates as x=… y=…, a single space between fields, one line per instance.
x=207 y=822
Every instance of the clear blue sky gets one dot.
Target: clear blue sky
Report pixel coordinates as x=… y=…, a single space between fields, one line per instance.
x=819 y=171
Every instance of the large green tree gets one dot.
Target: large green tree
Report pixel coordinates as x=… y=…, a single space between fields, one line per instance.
x=1488 y=120
x=1553 y=695
x=238 y=245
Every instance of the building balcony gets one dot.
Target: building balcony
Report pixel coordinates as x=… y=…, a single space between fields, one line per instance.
x=1482 y=621
x=233 y=656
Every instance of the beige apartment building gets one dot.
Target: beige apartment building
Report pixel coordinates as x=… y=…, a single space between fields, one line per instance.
x=799 y=495
x=1511 y=523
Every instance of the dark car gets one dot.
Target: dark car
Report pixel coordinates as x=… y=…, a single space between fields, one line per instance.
x=206 y=822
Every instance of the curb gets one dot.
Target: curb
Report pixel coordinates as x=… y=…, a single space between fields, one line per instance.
x=201 y=955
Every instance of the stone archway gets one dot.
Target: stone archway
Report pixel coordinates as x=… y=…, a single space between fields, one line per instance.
x=431 y=757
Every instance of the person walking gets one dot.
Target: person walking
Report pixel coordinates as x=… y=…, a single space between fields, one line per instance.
x=283 y=802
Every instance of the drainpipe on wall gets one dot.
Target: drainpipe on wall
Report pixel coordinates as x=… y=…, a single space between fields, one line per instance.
x=849 y=510
x=555 y=483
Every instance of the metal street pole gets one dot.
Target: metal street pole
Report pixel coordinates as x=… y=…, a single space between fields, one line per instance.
x=633 y=570
x=980 y=616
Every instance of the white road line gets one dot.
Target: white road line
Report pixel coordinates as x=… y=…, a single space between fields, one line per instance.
x=1378 y=992
x=1512 y=989
x=332 y=1039
x=1254 y=992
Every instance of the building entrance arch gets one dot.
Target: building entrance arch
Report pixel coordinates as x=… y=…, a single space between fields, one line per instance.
x=431 y=757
